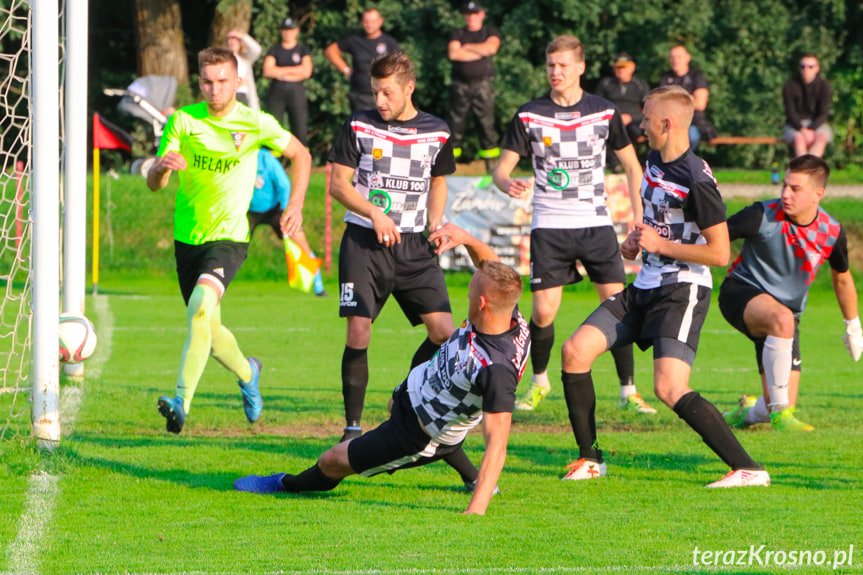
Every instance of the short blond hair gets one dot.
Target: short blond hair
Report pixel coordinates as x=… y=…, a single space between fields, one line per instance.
x=678 y=100
x=566 y=43
x=501 y=284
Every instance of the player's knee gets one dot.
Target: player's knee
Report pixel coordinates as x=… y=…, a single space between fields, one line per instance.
x=359 y=332
x=577 y=352
x=334 y=462
x=782 y=323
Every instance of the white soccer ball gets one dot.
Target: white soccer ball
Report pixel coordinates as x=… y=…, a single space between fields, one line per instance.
x=77 y=338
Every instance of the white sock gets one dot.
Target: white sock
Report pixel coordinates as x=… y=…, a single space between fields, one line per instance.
x=627 y=390
x=777 y=369
x=758 y=413
x=541 y=379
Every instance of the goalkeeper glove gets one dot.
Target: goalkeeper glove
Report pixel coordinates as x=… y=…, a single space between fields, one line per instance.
x=853 y=338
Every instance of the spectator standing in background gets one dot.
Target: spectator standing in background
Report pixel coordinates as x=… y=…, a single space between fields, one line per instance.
x=470 y=50
x=363 y=49
x=288 y=64
x=247 y=52
x=627 y=92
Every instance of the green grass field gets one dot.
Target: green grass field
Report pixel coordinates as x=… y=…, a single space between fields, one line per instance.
x=130 y=498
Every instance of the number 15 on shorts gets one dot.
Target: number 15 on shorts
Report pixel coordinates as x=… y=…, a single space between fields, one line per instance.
x=347 y=292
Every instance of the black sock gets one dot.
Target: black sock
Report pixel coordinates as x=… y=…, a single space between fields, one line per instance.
x=424 y=352
x=461 y=463
x=312 y=479
x=581 y=403
x=355 y=379
x=705 y=419
x=541 y=342
x=624 y=363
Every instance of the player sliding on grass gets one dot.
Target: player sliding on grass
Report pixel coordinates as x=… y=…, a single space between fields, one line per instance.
x=785 y=242
x=214 y=145
x=683 y=234
x=471 y=379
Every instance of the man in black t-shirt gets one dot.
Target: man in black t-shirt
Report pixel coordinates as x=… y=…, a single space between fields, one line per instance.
x=471 y=378
x=694 y=82
x=472 y=91
x=289 y=63
x=363 y=49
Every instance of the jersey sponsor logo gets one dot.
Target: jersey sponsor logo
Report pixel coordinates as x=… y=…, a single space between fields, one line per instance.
x=219 y=272
x=582 y=164
x=377 y=153
x=381 y=199
x=296 y=58
x=238 y=138
x=558 y=179
x=381 y=48
x=520 y=342
x=708 y=171
x=663 y=230
x=656 y=172
x=567 y=115
x=546 y=140
x=211 y=164
x=402 y=184
x=402 y=130
x=346 y=297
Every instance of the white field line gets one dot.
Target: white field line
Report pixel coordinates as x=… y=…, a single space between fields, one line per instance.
x=23 y=553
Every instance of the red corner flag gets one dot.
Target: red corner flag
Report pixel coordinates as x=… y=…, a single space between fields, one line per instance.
x=107 y=136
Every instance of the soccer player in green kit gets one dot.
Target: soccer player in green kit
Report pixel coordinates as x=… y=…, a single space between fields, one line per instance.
x=214 y=147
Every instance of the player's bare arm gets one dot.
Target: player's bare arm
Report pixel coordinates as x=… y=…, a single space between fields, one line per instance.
x=436 y=201
x=484 y=49
x=634 y=175
x=699 y=99
x=450 y=235
x=160 y=172
x=343 y=191
x=334 y=55
x=516 y=187
x=457 y=53
x=301 y=169
x=288 y=73
x=714 y=253
x=495 y=431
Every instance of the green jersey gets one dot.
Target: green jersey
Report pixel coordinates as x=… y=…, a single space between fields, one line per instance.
x=221 y=161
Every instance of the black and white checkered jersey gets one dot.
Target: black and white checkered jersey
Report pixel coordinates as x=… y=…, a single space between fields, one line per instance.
x=473 y=372
x=568 y=146
x=680 y=199
x=394 y=163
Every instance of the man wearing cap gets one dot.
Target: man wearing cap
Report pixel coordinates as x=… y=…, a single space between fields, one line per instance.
x=472 y=91
x=363 y=49
x=628 y=93
x=288 y=64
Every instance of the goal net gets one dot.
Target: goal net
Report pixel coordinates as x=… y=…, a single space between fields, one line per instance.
x=15 y=224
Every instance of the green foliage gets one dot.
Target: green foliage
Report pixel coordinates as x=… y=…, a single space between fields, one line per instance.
x=746 y=49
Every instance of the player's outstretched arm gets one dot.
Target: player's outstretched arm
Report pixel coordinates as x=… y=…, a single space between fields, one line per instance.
x=846 y=295
x=343 y=191
x=301 y=169
x=495 y=431
x=713 y=253
x=450 y=235
x=160 y=171
x=514 y=187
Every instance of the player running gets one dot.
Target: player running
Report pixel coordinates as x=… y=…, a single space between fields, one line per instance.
x=566 y=133
x=684 y=232
x=471 y=378
x=785 y=242
x=214 y=146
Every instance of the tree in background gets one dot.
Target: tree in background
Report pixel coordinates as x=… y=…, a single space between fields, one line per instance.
x=159 y=36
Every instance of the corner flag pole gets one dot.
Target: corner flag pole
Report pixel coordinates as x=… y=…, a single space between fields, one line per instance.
x=96 y=189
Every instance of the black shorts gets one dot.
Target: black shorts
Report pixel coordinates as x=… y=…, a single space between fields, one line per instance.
x=271 y=217
x=668 y=317
x=397 y=443
x=734 y=296
x=370 y=272
x=218 y=261
x=553 y=253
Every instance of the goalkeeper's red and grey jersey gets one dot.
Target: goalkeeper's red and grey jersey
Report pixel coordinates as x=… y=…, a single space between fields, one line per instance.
x=781 y=257
x=680 y=199
x=473 y=372
x=394 y=163
x=567 y=145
